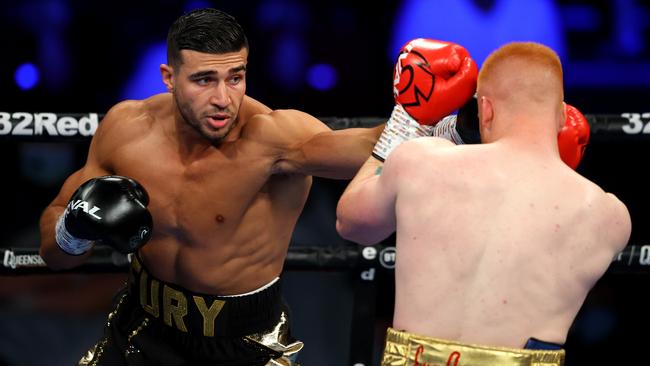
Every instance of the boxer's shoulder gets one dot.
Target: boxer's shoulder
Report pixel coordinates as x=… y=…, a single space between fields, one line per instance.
x=431 y=150
x=609 y=212
x=251 y=107
x=251 y=113
x=129 y=121
x=283 y=127
x=138 y=114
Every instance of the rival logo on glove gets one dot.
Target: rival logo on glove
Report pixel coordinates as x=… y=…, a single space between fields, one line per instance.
x=419 y=83
x=80 y=204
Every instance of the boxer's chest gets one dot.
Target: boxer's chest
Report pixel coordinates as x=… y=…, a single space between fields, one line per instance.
x=210 y=192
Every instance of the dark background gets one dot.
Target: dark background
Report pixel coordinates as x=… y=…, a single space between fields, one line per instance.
x=90 y=55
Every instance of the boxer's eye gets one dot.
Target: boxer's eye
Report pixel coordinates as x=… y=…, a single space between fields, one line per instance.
x=202 y=81
x=236 y=79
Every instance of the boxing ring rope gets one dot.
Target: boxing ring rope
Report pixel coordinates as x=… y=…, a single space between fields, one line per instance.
x=103 y=259
x=365 y=262
x=70 y=127
x=634 y=259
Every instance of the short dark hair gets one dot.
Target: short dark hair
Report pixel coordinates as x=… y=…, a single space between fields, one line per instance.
x=204 y=30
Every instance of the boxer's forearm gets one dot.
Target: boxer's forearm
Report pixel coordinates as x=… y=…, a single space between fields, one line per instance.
x=365 y=213
x=370 y=170
x=339 y=154
x=54 y=257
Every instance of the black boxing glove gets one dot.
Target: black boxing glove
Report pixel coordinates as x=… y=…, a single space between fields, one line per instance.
x=467 y=122
x=110 y=210
x=460 y=128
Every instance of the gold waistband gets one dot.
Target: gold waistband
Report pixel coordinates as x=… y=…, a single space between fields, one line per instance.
x=204 y=314
x=405 y=349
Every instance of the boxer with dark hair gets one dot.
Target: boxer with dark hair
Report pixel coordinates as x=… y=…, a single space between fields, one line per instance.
x=213 y=182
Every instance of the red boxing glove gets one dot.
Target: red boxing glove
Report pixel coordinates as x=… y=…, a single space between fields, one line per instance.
x=573 y=137
x=433 y=78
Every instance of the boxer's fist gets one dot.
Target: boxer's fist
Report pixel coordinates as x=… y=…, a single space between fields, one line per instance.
x=433 y=78
x=109 y=209
x=573 y=137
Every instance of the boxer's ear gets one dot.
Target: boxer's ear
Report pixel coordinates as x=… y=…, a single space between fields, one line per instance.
x=167 y=73
x=485 y=117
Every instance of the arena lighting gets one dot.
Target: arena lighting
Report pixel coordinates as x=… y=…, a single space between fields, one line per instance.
x=27 y=76
x=479 y=30
x=287 y=62
x=145 y=80
x=322 y=77
x=196 y=4
x=620 y=61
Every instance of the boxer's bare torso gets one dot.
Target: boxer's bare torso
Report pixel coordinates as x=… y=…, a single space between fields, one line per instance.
x=223 y=215
x=519 y=243
x=223 y=212
x=227 y=177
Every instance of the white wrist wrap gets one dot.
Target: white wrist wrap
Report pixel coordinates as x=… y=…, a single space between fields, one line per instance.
x=399 y=128
x=67 y=242
x=446 y=129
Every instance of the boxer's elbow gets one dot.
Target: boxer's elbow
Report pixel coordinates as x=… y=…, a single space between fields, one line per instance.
x=351 y=223
x=356 y=232
x=343 y=229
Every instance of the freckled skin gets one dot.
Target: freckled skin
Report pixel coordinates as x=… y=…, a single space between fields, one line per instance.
x=492 y=258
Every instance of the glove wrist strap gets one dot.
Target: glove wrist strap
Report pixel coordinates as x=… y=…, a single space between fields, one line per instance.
x=446 y=129
x=67 y=242
x=399 y=128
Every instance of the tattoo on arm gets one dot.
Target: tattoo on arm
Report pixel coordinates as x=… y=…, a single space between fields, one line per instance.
x=378 y=170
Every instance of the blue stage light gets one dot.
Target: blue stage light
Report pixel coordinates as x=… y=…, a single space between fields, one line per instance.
x=322 y=77
x=146 y=79
x=27 y=76
x=479 y=30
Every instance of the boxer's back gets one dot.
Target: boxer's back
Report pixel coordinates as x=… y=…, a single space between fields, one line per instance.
x=495 y=246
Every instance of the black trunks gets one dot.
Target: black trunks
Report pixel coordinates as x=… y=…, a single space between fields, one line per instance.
x=158 y=323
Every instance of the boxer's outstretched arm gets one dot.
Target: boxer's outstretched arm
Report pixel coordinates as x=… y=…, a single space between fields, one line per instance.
x=308 y=146
x=338 y=154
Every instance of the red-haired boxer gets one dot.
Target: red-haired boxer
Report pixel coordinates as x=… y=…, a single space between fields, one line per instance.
x=226 y=179
x=572 y=139
x=498 y=243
